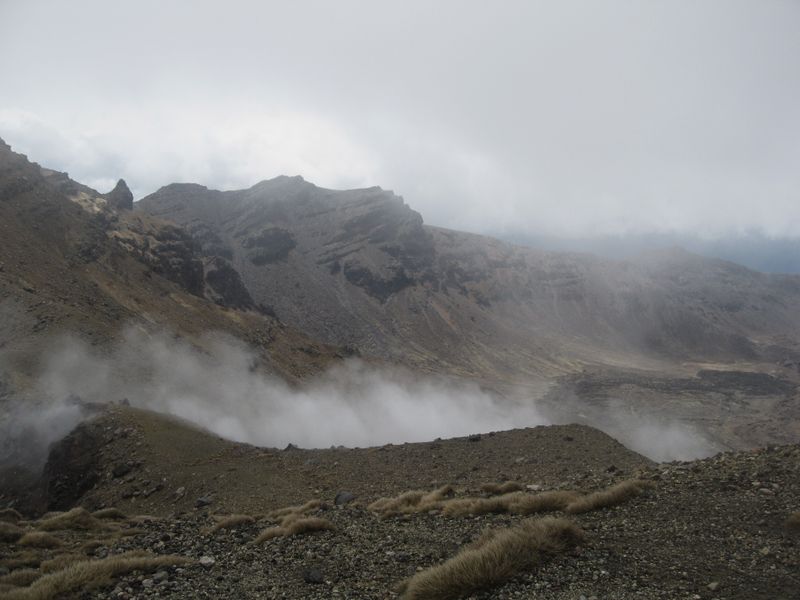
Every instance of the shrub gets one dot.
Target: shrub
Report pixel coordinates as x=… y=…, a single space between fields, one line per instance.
x=76 y=519
x=20 y=577
x=39 y=539
x=518 y=503
x=294 y=526
x=9 y=532
x=302 y=509
x=90 y=574
x=9 y=515
x=26 y=558
x=498 y=489
x=60 y=562
x=113 y=514
x=493 y=559
x=231 y=521
x=412 y=502
x=617 y=494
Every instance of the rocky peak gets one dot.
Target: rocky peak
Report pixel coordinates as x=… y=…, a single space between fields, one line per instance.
x=120 y=197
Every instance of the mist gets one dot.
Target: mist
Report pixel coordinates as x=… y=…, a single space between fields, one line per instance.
x=217 y=385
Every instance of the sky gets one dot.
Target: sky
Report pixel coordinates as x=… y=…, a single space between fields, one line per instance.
x=567 y=119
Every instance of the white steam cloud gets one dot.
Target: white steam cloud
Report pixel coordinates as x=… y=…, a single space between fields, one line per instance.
x=352 y=404
x=217 y=385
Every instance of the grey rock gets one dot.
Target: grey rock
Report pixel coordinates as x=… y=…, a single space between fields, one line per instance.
x=313 y=575
x=343 y=498
x=207 y=561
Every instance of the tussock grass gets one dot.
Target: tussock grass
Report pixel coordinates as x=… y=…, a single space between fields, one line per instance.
x=296 y=525
x=493 y=559
x=60 y=562
x=90 y=574
x=793 y=522
x=518 y=503
x=302 y=509
x=498 y=489
x=616 y=494
x=77 y=519
x=113 y=514
x=141 y=519
x=18 y=560
x=129 y=532
x=39 y=539
x=293 y=520
x=89 y=546
x=412 y=502
x=9 y=532
x=20 y=577
x=231 y=521
x=9 y=515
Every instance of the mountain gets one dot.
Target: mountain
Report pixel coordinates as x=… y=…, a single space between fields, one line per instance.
x=75 y=262
x=673 y=354
x=360 y=268
x=643 y=339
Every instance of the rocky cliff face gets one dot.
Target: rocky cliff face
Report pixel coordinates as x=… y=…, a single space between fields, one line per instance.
x=360 y=268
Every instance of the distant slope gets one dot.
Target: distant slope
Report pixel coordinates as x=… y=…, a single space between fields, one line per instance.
x=360 y=268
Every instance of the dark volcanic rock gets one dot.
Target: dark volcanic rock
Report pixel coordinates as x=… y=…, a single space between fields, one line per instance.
x=176 y=258
x=225 y=286
x=344 y=497
x=72 y=467
x=270 y=245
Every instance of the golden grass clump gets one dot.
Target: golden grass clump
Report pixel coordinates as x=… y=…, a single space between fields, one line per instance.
x=20 y=577
x=616 y=494
x=9 y=532
x=113 y=514
x=415 y=501
x=493 y=559
x=39 y=539
x=518 y=503
x=293 y=520
x=296 y=525
x=302 y=509
x=90 y=574
x=498 y=489
x=60 y=562
x=76 y=519
x=9 y=515
x=231 y=522
x=793 y=522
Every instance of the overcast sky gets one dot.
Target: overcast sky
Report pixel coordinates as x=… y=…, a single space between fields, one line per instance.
x=561 y=118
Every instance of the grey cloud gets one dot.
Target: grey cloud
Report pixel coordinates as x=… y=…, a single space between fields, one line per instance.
x=569 y=118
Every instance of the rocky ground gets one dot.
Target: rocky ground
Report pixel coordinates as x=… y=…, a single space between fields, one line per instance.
x=713 y=528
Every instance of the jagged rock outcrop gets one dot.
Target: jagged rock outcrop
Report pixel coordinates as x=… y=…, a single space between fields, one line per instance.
x=120 y=198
